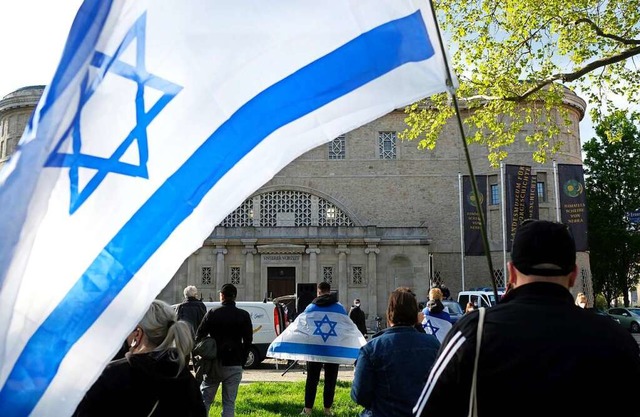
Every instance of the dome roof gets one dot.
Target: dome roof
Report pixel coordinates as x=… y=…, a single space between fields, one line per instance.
x=32 y=90
x=25 y=97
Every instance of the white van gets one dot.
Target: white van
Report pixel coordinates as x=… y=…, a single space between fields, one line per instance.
x=480 y=297
x=268 y=319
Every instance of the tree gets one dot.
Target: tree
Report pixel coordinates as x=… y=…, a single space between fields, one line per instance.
x=612 y=177
x=512 y=58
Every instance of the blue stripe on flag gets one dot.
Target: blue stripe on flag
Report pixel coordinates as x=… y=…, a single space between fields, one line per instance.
x=85 y=31
x=365 y=58
x=315 y=350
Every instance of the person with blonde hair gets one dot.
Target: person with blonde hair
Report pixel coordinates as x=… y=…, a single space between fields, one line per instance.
x=435 y=293
x=153 y=377
x=434 y=307
x=581 y=300
x=470 y=307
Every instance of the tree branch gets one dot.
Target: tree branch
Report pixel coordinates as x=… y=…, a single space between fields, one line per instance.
x=565 y=77
x=599 y=32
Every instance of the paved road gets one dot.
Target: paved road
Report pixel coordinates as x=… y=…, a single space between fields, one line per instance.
x=272 y=370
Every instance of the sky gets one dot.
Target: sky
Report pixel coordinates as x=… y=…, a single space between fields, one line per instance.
x=34 y=33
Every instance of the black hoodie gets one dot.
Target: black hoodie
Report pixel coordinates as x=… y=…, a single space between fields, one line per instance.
x=134 y=385
x=325 y=300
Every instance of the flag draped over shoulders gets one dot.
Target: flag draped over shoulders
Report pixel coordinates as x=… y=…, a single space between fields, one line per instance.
x=319 y=334
x=161 y=119
x=436 y=326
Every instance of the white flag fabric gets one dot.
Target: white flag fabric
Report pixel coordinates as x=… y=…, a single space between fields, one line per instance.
x=436 y=326
x=161 y=118
x=319 y=334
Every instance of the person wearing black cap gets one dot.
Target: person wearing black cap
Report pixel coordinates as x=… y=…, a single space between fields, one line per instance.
x=536 y=352
x=233 y=332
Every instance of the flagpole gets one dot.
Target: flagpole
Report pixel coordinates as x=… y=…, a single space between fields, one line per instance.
x=460 y=198
x=474 y=185
x=503 y=208
x=557 y=189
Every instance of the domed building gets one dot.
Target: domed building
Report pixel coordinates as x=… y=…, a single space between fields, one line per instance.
x=366 y=212
x=15 y=111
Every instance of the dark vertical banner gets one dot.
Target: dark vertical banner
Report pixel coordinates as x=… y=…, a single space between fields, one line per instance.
x=518 y=197
x=573 y=202
x=472 y=231
x=532 y=201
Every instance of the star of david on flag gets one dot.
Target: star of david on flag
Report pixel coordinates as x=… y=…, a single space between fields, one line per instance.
x=320 y=328
x=100 y=67
x=436 y=326
x=160 y=120
x=319 y=334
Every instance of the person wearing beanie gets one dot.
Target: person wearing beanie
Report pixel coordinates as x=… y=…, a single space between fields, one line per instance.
x=232 y=330
x=538 y=353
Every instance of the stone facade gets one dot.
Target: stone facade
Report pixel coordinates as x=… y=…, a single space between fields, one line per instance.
x=367 y=212
x=15 y=110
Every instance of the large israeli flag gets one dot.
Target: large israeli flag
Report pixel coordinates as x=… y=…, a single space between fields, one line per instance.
x=319 y=334
x=161 y=118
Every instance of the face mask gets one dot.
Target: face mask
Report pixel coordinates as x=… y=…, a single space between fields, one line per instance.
x=583 y=305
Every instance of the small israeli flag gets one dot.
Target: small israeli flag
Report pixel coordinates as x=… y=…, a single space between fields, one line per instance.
x=436 y=326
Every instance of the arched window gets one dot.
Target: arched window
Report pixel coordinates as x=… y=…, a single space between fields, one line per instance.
x=284 y=208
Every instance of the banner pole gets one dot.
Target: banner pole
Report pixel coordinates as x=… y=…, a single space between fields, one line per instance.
x=460 y=198
x=474 y=184
x=503 y=207
x=557 y=189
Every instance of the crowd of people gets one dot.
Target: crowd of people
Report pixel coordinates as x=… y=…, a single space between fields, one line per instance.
x=535 y=353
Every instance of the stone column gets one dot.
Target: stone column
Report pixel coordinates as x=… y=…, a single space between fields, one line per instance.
x=372 y=276
x=342 y=252
x=220 y=251
x=313 y=252
x=249 y=250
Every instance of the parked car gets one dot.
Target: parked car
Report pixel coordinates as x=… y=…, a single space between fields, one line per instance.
x=603 y=313
x=454 y=309
x=480 y=297
x=269 y=320
x=450 y=306
x=629 y=317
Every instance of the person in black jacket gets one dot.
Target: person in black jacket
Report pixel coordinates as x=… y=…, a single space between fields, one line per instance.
x=358 y=317
x=539 y=353
x=233 y=332
x=152 y=379
x=191 y=309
